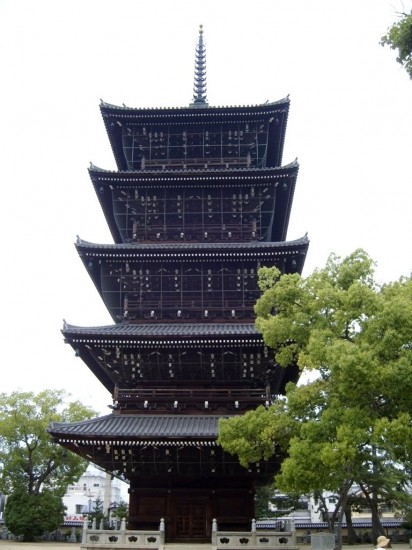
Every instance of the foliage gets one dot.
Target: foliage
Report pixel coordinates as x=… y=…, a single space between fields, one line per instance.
x=399 y=37
x=121 y=511
x=283 y=504
x=407 y=520
x=352 y=424
x=262 y=498
x=29 y=461
x=31 y=515
x=97 y=514
x=248 y=433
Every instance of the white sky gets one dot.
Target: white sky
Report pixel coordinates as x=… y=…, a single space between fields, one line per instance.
x=350 y=126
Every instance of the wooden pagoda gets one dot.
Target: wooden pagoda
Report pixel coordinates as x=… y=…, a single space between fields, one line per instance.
x=199 y=201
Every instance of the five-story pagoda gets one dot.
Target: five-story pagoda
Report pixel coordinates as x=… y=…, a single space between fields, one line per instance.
x=199 y=201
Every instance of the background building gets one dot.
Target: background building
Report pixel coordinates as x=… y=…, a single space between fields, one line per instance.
x=94 y=485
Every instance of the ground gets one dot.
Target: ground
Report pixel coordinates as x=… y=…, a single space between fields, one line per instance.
x=8 y=545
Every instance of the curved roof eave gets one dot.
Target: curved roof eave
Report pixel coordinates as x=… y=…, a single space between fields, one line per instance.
x=147 y=427
x=125 y=108
x=241 y=330
x=136 y=175
x=142 y=247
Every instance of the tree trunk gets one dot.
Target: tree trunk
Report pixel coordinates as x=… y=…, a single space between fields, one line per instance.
x=377 y=528
x=335 y=519
x=352 y=536
x=372 y=499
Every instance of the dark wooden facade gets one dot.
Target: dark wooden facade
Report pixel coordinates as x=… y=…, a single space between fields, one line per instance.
x=198 y=203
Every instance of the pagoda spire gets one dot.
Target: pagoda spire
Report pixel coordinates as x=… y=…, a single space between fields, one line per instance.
x=199 y=88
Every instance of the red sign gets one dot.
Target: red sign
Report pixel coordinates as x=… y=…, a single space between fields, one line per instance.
x=74 y=517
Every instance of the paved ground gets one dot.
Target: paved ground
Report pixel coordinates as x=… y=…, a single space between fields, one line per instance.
x=8 y=545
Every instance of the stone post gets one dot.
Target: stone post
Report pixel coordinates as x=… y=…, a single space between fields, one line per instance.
x=123 y=530
x=214 y=533
x=291 y=527
x=253 y=531
x=85 y=528
x=162 y=531
x=72 y=537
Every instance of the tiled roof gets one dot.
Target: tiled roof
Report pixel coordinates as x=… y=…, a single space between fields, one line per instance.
x=299 y=524
x=263 y=107
x=211 y=174
x=140 y=427
x=200 y=247
x=167 y=330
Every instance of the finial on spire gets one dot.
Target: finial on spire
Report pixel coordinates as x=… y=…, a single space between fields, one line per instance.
x=199 y=88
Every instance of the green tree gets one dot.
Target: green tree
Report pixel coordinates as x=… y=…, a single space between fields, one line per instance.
x=29 y=460
x=399 y=37
x=121 y=511
x=32 y=515
x=97 y=513
x=262 y=498
x=283 y=504
x=352 y=424
x=31 y=465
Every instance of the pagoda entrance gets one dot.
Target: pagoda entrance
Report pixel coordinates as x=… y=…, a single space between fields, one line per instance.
x=191 y=519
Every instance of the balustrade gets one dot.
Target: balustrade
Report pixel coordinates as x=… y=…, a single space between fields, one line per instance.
x=255 y=539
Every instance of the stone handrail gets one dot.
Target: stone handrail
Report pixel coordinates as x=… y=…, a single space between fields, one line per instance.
x=121 y=538
x=254 y=539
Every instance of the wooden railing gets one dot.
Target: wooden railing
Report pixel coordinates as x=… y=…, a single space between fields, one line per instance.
x=203 y=162
x=191 y=395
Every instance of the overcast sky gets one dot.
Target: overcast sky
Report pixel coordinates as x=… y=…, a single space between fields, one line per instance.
x=350 y=126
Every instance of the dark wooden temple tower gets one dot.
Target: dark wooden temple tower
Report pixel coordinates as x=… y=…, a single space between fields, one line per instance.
x=198 y=203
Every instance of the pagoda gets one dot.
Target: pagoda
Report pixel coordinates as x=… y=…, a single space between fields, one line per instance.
x=199 y=202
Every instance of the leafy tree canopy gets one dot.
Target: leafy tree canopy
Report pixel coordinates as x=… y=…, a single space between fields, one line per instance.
x=353 y=423
x=29 y=461
x=399 y=37
x=31 y=515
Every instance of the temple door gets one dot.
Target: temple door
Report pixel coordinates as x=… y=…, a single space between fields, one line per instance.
x=191 y=519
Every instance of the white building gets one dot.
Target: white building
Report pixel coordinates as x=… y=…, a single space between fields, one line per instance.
x=94 y=484
x=309 y=519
